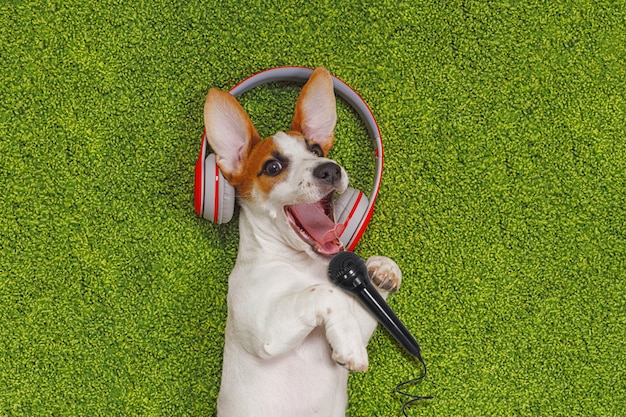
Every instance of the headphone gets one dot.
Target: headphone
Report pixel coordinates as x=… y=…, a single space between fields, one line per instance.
x=214 y=197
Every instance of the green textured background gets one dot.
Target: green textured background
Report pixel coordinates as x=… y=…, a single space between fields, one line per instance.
x=503 y=197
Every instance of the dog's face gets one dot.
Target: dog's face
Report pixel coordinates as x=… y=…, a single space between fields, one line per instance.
x=285 y=181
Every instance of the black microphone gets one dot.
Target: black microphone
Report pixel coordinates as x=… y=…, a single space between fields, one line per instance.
x=349 y=272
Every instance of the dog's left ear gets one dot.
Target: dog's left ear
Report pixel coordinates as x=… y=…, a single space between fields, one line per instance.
x=316 y=110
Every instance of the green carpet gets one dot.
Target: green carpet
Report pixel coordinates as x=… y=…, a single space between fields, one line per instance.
x=503 y=197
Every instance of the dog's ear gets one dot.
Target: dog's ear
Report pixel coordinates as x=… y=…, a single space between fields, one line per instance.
x=316 y=110
x=229 y=131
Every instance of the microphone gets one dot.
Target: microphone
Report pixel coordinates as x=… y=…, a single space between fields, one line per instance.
x=349 y=272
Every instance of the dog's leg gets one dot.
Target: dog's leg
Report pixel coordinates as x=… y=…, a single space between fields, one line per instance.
x=294 y=316
x=386 y=277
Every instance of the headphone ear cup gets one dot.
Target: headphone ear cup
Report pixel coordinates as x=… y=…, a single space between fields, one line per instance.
x=350 y=210
x=227 y=207
x=219 y=195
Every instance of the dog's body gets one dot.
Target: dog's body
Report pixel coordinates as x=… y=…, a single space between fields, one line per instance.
x=291 y=336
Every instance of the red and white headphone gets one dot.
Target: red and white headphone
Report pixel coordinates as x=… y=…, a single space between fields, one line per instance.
x=215 y=197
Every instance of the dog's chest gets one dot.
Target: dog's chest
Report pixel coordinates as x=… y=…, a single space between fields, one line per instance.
x=268 y=273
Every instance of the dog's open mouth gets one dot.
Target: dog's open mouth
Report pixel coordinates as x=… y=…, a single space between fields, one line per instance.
x=315 y=224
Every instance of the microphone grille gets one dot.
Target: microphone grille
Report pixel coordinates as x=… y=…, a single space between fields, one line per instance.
x=344 y=267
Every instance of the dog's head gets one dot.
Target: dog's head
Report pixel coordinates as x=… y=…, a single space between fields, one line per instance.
x=286 y=181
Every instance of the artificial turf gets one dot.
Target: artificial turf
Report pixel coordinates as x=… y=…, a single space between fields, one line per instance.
x=503 y=197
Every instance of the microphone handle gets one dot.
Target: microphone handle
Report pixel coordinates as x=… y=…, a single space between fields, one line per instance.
x=375 y=303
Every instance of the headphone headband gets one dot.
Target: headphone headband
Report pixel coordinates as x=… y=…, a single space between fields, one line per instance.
x=301 y=75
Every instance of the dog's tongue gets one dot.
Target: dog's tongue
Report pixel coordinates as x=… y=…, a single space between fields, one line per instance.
x=319 y=226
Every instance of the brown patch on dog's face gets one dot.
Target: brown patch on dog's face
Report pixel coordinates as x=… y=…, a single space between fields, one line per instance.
x=313 y=146
x=266 y=166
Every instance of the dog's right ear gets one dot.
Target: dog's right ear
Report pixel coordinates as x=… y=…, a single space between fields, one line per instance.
x=316 y=110
x=229 y=131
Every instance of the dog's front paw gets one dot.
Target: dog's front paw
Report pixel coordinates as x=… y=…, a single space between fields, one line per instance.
x=352 y=358
x=384 y=273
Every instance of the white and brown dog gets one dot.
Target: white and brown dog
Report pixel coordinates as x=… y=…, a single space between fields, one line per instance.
x=291 y=336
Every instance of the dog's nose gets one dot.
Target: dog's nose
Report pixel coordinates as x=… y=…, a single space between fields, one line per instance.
x=328 y=172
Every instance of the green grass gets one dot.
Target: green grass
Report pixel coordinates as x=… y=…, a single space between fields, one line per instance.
x=503 y=197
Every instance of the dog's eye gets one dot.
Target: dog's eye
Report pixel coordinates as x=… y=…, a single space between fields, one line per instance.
x=272 y=167
x=316 y=150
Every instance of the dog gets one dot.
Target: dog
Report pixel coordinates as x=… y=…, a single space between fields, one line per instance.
x=291 y=336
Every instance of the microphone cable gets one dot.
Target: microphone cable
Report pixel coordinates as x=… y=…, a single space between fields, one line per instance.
x=412 y=397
